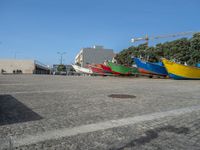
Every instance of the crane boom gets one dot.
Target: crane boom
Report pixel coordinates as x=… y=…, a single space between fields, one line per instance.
x=173 y=35
x=146 y=38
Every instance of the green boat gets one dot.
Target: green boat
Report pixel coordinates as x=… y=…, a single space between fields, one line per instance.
x=122 y=70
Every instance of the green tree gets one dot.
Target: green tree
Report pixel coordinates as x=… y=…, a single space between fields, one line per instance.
x=195 y=49
x=61 y=68
x=181 y=50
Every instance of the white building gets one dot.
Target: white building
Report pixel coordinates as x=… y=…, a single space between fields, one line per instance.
x=23 y=66
x=96 y=55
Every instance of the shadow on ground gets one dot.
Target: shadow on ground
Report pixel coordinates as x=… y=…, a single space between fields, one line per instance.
x=13 y=111
x=151 y=135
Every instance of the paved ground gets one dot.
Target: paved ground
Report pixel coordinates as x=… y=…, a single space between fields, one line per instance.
x=59 y=112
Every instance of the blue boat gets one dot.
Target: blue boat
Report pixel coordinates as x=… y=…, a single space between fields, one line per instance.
x=150 y=68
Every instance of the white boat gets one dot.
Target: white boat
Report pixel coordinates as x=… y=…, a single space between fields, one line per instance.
x=82 y=70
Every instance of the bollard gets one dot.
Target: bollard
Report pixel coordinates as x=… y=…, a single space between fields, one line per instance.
x=10 y=143
x=6 y=143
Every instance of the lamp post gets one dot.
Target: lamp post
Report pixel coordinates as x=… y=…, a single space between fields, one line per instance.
x=61 y=56
x=15 y=54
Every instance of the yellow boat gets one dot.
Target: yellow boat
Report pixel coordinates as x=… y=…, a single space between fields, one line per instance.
x=181 y=72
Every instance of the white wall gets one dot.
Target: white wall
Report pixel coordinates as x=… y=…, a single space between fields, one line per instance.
x=26 y=66
x=96 y=56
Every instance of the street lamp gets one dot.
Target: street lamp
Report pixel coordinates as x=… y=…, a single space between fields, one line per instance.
x=15 y=54
x=61 y=56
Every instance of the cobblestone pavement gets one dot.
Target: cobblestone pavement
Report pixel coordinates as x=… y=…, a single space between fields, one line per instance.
x=59 y=112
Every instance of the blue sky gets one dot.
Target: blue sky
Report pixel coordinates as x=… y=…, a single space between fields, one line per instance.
x=38 y=29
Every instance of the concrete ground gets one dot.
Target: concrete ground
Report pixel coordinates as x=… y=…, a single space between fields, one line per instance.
x=76 y=112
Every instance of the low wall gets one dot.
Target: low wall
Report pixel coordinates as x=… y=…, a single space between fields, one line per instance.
x=11 y=65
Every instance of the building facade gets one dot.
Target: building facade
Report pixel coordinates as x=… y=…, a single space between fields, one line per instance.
x=23 y=66
x=96 y=55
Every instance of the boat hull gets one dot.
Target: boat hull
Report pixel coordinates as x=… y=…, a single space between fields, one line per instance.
x=181 y=72
x=122 y=70
x=150 y=68
x=82 y=70
x=98 y=70
x=105 y=68
x=108 y=70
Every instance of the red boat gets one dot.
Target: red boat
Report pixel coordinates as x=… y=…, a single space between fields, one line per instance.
x=96 y=69
x=101 y=69
x=107 y=68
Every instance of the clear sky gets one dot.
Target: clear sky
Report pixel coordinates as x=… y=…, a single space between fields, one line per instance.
x=38 y=29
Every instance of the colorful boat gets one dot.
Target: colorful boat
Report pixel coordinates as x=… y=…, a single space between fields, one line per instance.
x=108 y=69
x=198 y=65
x=101 y=69
x=121 y=70
x=150 y=68
x=181 y=72
x=97 y=69
x=82 y=70
x=105 y=68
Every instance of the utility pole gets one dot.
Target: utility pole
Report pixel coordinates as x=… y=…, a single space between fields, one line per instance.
x=61 y=56
x=15 y=54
